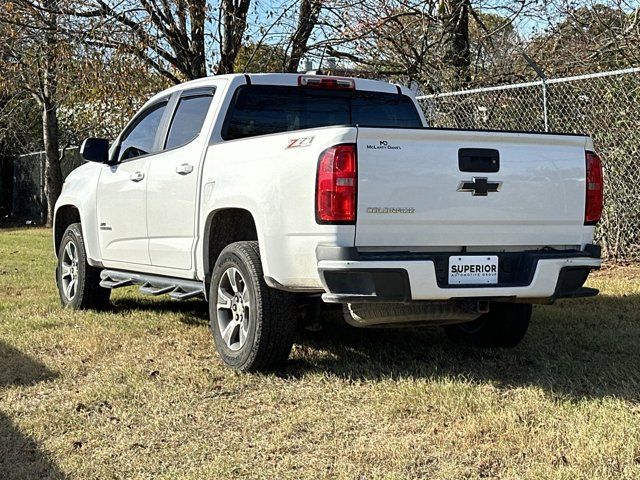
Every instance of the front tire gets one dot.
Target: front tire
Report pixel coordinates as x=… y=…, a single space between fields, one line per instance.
x=252 y=325
x=504 y=326
x=78 y=282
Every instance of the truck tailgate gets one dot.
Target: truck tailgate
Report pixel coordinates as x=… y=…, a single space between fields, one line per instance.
x=413 y=193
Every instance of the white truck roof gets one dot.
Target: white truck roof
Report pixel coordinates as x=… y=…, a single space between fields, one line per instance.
x=285 y=79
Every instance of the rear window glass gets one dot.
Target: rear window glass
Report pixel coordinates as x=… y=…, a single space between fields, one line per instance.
x=264 y=109
x=188 y=119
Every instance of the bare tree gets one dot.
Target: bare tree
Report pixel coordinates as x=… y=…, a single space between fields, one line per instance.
x=436 y=44
x=307 y=20
x=168 y=35
x=457 y=49
x=278 y=36
x=588 y=37
x=232 y=28
x=174 y=37
x=32 y=49
x=399 y=41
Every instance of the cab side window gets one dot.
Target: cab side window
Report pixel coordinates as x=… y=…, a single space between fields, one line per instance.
x=187 y=120
x=141 y=136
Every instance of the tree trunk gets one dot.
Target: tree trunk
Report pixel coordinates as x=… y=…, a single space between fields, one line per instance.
x=47 y=99
x=52 y=169
x=188 y=41
x=307 y=19
x=456 y=36
x=234 y=23
x=198 y=20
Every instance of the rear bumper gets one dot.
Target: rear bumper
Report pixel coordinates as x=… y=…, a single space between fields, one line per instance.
x=534 y=276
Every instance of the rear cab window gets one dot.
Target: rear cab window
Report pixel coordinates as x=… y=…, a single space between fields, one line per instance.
x=188 y=119
x=266 y=109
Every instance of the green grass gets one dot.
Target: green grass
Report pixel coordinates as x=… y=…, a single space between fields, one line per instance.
x=138 y=392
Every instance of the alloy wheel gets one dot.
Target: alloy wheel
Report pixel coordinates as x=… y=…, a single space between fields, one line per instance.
x=69 y=270
x=233 y=308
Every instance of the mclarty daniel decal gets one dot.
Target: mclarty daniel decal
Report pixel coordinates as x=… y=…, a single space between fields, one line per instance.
x=384 y=145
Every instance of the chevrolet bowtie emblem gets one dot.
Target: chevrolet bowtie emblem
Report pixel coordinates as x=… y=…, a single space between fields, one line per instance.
x=479 y=186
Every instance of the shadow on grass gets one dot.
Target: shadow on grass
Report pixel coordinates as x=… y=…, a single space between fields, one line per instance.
x=20 y=456
x=578 y=348
x=190 y=312
x=18 y=369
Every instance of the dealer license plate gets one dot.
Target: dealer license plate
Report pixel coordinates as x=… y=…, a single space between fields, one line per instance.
x=468 y=270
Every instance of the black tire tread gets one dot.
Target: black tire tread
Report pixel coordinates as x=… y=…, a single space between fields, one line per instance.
x=276 y=326
x=279 y=328
x=90 y=295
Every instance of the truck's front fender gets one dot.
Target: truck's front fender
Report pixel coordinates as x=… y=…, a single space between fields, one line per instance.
x=79 y=194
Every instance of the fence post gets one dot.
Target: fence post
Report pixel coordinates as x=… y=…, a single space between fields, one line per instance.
x=543 y=77
x=544 y=104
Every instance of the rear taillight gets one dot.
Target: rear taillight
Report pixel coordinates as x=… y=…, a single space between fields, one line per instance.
x=595 y=185
x=336 y=185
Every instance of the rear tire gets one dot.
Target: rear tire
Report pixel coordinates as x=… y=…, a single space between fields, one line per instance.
x=252 y=325
x=78 y=282
x=504 y=326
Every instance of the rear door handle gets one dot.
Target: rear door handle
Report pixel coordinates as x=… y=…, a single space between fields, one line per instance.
x=136 y=176
x=184 y=169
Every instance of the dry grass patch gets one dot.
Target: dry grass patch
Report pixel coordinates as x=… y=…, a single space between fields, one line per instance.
x=138 y=392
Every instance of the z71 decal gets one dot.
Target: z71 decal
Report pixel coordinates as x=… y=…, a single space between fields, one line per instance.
x=299 y=142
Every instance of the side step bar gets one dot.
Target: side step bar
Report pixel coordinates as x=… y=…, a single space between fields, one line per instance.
x=177 y=288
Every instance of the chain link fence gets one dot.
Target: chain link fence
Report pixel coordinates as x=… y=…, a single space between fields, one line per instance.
x=27 y=199
x=603 y=105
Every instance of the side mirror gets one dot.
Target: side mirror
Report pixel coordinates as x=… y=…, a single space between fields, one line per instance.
x=95 y=150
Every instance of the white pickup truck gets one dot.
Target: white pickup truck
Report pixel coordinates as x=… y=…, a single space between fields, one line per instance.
x=267 y=192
